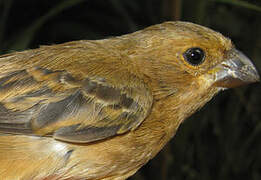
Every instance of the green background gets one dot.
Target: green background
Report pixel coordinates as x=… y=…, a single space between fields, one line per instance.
x=220 y=142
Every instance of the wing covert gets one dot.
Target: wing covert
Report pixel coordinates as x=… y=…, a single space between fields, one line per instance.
x=40 y=101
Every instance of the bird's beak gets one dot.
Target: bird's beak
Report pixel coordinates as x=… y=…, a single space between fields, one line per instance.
x=237 y=70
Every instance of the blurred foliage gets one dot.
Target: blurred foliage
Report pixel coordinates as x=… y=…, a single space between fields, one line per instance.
x=222 y=140
x=240 y=3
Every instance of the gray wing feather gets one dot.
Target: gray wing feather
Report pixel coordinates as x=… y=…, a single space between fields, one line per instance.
x=83 y=111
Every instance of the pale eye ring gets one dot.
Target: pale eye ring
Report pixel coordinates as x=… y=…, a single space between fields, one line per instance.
x=194 y=56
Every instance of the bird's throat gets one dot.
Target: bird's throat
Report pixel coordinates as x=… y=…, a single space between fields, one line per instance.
x=169 y=113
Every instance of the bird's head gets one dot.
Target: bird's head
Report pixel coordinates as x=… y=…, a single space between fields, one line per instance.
x=182 y=56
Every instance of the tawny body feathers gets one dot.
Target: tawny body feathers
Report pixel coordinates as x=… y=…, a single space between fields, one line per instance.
x=102 y=109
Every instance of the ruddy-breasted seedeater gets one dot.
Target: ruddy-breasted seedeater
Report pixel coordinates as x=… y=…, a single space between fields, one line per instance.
x=101 y=109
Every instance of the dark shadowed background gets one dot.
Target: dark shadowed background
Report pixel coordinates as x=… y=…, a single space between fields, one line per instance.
x=220 y=142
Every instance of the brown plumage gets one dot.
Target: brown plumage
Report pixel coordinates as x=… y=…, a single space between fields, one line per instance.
x=102 y=109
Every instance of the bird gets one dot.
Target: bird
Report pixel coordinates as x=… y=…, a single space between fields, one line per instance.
x=101 y=109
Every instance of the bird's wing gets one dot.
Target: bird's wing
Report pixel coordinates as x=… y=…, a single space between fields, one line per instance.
x=46 y=102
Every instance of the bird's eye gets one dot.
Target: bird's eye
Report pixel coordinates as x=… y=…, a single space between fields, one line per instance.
x=195 y=56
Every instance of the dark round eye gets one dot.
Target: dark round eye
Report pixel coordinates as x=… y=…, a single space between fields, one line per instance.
x=195 y=56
